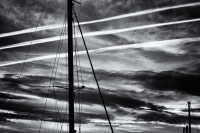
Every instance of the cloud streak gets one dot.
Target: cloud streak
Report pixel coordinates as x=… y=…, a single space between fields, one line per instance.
x=99 y=20
x=98 y=33
x=141 y=45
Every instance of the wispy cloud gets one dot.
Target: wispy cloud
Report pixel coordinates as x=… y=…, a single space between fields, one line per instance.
x=141 y=45
x=97 y=33
x=99 y=20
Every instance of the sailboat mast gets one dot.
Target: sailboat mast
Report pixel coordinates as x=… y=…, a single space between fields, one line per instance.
x=189 y=118
x=70 y=67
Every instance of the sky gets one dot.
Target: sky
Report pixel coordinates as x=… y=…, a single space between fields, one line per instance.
x=145 y=55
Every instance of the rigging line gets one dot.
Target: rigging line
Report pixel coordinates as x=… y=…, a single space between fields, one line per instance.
x=80 y=96
x=51 y=76
x=61 y=123
x=66 y=16
x=79 y=89
x=76 y=48
x=64 y=95
x=93 y=72
x=60 y=109
x=56 y=105
x=76 y=112
x=77 y=80
x=77 y=72
x=75 y=40
x=74 y=62
x=76 y=65
x=33 y=36
x=57 y=69
x=77 y=69
x=57 y=61
x=81 y=108
x=65 y=115
x=78 y=85
x=80 y=67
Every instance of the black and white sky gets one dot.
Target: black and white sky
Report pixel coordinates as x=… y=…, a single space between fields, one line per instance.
x=145 y=54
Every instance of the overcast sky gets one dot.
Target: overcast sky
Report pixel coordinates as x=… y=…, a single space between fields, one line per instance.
x=145 y=54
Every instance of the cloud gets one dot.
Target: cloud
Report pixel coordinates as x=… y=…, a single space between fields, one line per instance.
x=10 y=96
x=91 y=97
x=107 y=49
x=163 y=117
x=97 y=33
x=100 y=20
x=170 y=81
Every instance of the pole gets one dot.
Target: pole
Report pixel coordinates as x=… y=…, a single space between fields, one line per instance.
x=70 y=67
x=189 y=119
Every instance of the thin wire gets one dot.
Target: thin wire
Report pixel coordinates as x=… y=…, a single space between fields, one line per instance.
x=56 y=106
x=57 y=64
x=33 y=36
x=79 y=90
x=82 y=89
x=60 y=109
x=66 y=16
x=51 y=76
x=81 y=99
x=61 y=123
x=94 y=74
x=77 y=74
x=80 y=96
x=77 y=65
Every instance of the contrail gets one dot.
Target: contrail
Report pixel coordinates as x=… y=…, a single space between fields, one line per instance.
x=140 y=45
x=98 y=33
x=100 y=20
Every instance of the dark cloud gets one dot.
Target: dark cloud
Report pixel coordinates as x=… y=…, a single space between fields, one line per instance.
x=171 y=81
x=26 y=80
x=163 y=117
x=10 y=96
x=92 y=96
x=184 y=80
x=192 y=110
x=115 y=100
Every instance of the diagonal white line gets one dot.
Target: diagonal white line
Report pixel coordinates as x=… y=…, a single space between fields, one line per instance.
x=98 y=33
x=100 y=20
x=141 y=45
